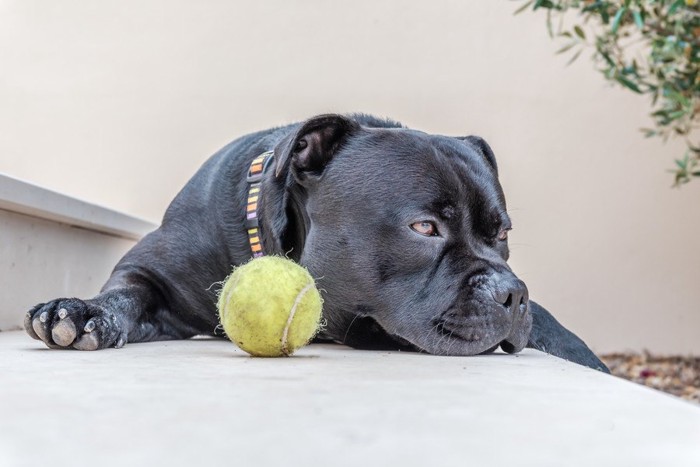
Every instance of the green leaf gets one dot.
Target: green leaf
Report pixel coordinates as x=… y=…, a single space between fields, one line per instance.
x=617 y=19
x=543 y=4
x=566 y=47
x=679 y=98
x=523 y=7
x=638 y=19
x=628 y=84
x=676 y=115
x=675 y=6
x=607 y=58
x=680 y=179
x=630 y=70
x=579 y=32
x=573 y=59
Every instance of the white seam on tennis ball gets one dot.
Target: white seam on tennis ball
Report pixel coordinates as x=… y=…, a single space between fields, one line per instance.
x=297 y=300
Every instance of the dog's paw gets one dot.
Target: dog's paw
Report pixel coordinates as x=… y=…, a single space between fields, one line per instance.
x=572 y=349
x=74 y=323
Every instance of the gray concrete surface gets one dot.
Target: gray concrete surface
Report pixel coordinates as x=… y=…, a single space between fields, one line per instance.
x=204 y=402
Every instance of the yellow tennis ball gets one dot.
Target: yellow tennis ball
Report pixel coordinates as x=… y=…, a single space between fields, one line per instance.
x=270 y=307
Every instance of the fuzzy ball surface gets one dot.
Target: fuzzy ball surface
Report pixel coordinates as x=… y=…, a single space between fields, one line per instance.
x=270 y=307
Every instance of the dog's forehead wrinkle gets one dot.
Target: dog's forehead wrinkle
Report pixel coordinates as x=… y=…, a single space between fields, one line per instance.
x=470 y=166
x=478 y=199
x=463 y=182
x=393 y=185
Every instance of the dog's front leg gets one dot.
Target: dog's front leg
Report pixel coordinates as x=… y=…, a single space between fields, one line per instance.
x=129 y=309
x=549 y=336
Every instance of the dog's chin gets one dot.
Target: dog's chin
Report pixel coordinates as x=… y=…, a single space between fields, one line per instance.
x=452 y=344
x=465 y=337
x=518 y=340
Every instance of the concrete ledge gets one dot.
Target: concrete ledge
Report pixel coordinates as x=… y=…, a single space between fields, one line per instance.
x=52 y=245
x=204 y=402
x=25 y=198
x=41 y=260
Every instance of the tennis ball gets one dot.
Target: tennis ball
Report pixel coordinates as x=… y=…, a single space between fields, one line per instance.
x=270 y=307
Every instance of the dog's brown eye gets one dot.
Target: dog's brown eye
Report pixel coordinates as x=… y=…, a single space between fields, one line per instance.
x=503 y=234
x=426 y=228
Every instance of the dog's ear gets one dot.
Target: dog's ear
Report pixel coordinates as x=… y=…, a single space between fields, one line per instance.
x=299 y=156
x=313 y=145
x=482 y=146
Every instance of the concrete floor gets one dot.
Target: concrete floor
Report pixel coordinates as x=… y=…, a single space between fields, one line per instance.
x=204 y=402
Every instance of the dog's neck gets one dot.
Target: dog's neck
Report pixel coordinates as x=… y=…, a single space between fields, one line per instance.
x=281 y=213
x=298 y=221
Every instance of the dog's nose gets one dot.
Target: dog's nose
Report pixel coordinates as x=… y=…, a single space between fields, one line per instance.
x=509 y=291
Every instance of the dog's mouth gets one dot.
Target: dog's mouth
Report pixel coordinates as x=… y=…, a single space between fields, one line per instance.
x=450 y=333
x=477 y=339
x=453 y=333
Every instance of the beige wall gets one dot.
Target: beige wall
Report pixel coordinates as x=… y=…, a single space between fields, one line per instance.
x=118 y=102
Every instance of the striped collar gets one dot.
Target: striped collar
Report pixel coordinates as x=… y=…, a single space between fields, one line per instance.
x=254 y=180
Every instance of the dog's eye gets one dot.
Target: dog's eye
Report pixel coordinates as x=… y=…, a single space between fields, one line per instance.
x=426 y=228
x=503 y=234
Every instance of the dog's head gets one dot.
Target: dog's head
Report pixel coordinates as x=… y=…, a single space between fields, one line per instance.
x=406 y=233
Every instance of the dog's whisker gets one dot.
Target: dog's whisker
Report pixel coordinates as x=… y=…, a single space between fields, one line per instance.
x=452 y=342
x=347 y=331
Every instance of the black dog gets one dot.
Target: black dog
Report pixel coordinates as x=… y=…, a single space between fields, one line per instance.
x=405 y=231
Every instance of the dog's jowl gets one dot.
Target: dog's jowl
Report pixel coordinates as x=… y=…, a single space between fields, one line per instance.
x=406 y=233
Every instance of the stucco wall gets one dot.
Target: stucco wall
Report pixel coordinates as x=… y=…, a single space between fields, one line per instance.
x=118 y=102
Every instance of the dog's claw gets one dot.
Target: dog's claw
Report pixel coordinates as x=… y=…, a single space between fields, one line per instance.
x=62 y=313
x=90 y=326
x=44 y=317
x=29 y=327
x=120 y=343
